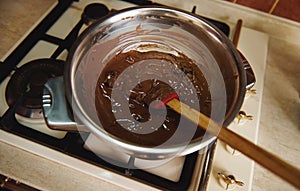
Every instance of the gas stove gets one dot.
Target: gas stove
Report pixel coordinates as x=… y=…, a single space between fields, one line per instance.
x=41 y=56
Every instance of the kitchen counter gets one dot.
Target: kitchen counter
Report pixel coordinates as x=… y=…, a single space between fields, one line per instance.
x=279 y=125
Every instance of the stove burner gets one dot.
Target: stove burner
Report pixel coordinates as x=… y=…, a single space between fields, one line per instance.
x=93 y=12
x=28 y=81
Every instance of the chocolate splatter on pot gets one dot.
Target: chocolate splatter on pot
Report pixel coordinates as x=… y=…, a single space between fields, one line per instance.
x=115 y=64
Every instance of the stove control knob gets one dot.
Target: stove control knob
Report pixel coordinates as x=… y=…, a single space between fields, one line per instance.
x=229 y=182
x=250 y=92
x=243 y=117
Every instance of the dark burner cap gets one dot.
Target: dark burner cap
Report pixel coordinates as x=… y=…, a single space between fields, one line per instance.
x=93 y=12
x=30 y=79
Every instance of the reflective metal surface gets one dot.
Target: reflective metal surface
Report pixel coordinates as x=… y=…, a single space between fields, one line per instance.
x=189 y=30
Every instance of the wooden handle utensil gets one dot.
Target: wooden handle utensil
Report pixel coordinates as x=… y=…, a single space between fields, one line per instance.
x=264 y=158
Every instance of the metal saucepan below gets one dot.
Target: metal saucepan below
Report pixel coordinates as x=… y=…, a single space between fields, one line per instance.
x=147 y=30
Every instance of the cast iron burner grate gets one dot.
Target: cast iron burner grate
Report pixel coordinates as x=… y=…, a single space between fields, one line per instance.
x=72 y=143
x=28 y=81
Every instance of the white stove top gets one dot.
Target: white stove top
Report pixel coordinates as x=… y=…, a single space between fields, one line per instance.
x=224 y=161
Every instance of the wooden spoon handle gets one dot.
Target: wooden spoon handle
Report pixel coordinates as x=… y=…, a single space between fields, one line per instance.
x=266 y=159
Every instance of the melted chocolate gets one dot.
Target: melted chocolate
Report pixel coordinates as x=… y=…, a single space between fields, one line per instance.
x=139 y=98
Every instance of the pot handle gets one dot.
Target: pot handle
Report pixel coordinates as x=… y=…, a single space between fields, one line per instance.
x=57 y=114
x=250 y=76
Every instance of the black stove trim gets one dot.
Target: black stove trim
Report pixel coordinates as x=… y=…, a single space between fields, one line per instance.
x=71 y=142
x=72 y=145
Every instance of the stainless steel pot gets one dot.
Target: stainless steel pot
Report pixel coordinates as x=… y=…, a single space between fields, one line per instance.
x=172 y=30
